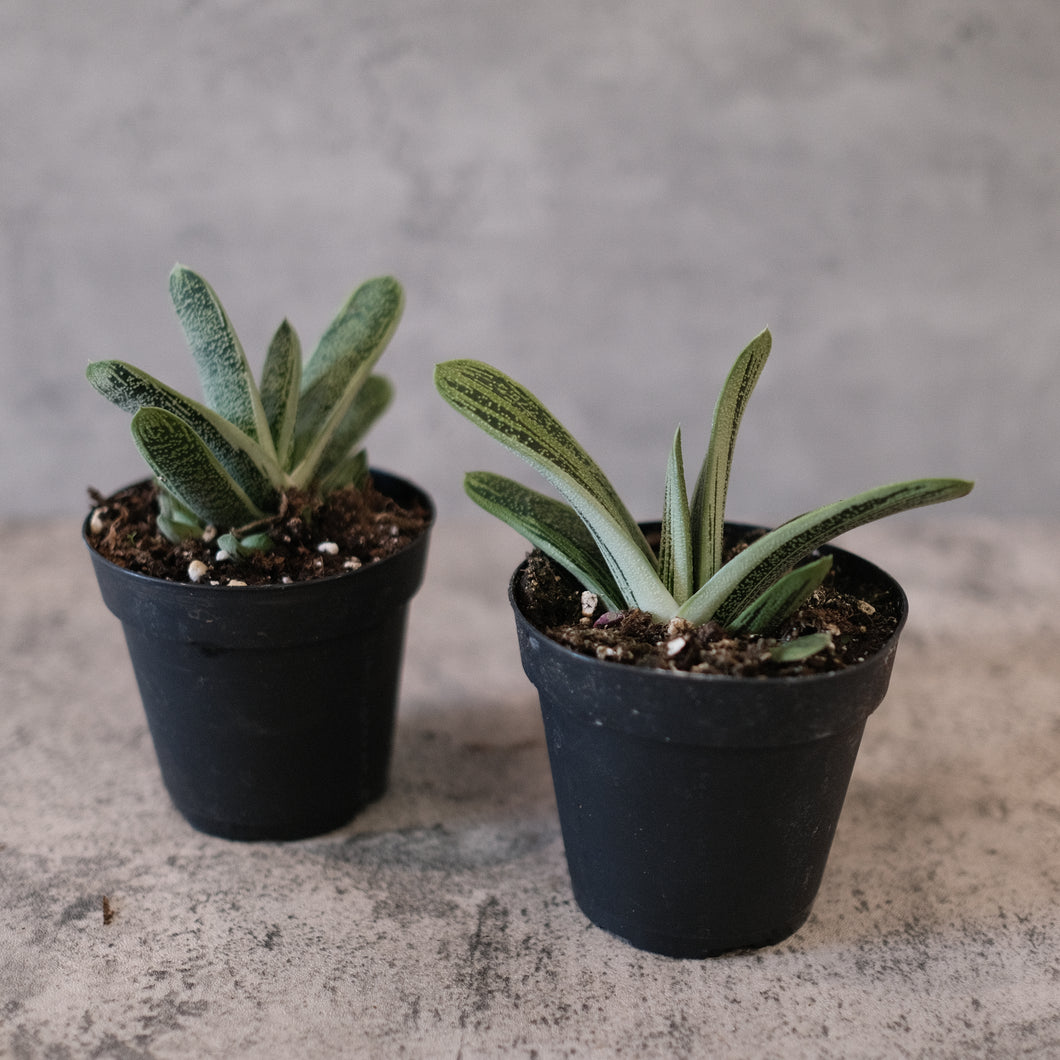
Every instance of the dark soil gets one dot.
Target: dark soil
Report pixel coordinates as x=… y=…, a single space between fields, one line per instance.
x=311 y=538
x=860 y=617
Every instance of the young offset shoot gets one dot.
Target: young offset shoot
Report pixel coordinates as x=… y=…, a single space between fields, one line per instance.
x=227 y=462
x=596 y=539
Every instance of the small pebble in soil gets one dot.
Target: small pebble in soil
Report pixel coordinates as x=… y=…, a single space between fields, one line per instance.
x=328 y=548
x=589 y=602
x=676 y=646
x=96 y=524
x=196 y=570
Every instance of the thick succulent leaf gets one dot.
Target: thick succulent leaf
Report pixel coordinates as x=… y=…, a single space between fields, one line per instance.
x=186 y=468
x=176 y=521
x=281 y=382
x=675 y=549
x=507 y=411
x=550 y=525
x=712 y=485
x=370 y=402
x=237 y=548
x=782 y=598
x=801 y=647
x=341 y=363
x=764 y=561
x=245 y=461
x=227 y=382
x=350 y=471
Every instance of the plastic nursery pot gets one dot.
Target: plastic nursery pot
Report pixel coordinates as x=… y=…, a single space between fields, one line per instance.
x=271 y=708
x=698 y=811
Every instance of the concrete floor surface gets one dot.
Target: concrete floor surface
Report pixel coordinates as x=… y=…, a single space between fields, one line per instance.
x=440 y=923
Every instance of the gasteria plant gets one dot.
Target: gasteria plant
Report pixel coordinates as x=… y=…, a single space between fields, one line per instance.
x=227 y=463
x=598 y=541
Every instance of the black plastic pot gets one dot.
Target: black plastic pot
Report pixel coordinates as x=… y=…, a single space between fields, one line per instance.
x=698 y=811
x=271 y=708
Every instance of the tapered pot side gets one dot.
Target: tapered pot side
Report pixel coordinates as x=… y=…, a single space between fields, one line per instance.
x=698 y=811
x=272 y=708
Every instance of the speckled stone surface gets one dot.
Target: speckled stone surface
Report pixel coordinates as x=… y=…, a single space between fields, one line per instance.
x=440 y=922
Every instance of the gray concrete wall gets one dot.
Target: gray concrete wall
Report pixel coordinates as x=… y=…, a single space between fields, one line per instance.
x=605 y=199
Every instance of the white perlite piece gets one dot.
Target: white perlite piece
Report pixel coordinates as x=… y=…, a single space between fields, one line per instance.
x=196 y=570
x=676 y=646
x=95 y=524
x=589 y=602
x=353 y=563
x=328 y=547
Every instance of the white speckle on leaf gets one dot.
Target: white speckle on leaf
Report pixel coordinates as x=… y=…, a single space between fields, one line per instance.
x=196 y=570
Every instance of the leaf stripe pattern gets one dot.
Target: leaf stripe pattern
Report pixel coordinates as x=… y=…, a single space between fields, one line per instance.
x=550 y=525
x=227 y=383
x=132 y=389
x=763 y=562
x=712 y=485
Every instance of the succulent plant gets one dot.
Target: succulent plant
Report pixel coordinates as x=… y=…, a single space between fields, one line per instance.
x=595 y=538
x=228 y=461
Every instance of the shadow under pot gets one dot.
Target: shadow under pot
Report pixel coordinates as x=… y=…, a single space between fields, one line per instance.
x=272 y=708
x=698 y=811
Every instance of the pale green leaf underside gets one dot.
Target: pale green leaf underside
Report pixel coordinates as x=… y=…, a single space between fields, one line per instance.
x=342 y=361
x=550 y=525
x=712 y=484
x=132 y=389
x=227 y=383
x=187 y=469
x=508 y=412
x=782 y=598
x=764 y=561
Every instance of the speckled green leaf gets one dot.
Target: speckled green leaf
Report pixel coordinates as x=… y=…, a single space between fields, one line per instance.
x=227 y=383
x=712 y=485
x=801 y=647
x=186 y=467
x=550 y=525
x=764 y=561
x=675 y=548
x=131 y=389
x=782 y=598
x=509 y=412
x=350 y=471
x=369 y=403
x=341 y=363
x=281 y=382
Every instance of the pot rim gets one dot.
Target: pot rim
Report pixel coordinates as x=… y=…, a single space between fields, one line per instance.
x=377 y=473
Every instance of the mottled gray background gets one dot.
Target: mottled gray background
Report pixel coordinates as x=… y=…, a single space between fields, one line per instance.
x=605 y=198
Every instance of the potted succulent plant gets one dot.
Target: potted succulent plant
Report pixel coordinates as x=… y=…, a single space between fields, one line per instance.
x=263 y=575
x=704 y=686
